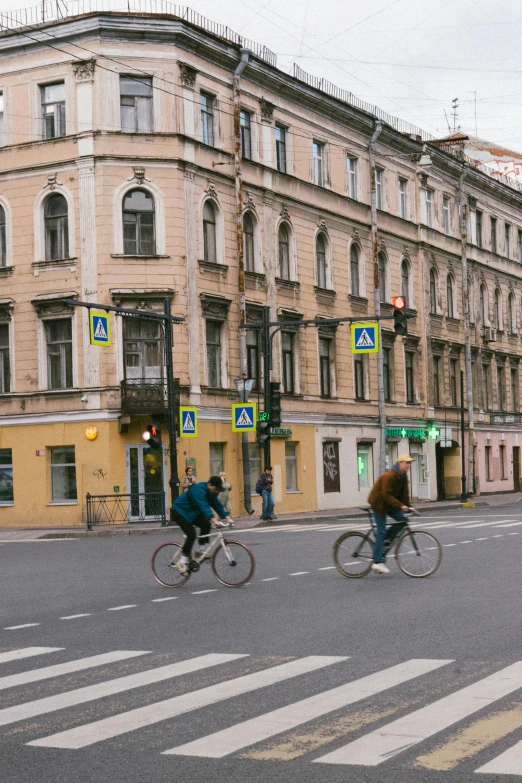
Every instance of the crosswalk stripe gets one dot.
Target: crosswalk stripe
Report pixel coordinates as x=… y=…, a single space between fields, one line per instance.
x=510 y=524
x=92 y=692
x=45 y=673
x=240 y=736
x=399 y=735
x=508 y=763
x=492 y=523
x=26 y=652
x=17 y=627
x=124 y=722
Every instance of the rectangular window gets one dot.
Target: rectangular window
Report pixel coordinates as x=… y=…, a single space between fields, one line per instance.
x=446 y=214
x=207 y=119
x=514 y=388
x=453 y=382
x=519 y=246
x=365 y=465
x=5 y=371
x=246 y=138
x=324 y=366
x=2 y=119
x=486 y=386
x=53 y=110
x=436 y=380
x=216 y=458
x=387 y=373
x=487 y=456
x=287 y=341
x=254 y=452
x=428 y=206
x=317 y=163
x=214 y=354
x=63 y=475
x=358 y=365
x=136 y=104
x=6 y=477
x=379 y=181
x=331 y=467
x=479 y=228
x=501 y=390
x=253 y=358
x=351 y=177
x=142 y=351
x=409 y=358
x=291 y=467
x=280 y=137
x=507 y=240
x=59 y=353
x=493 y=235
x=502 y=460
x=403 y=184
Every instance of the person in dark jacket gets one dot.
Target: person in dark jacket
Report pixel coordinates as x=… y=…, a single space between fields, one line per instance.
x=195 y=507
x=389 y=497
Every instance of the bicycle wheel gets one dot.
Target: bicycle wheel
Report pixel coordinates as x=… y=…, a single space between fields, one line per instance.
x=353 y=554
x=418 y=554
x=233 y=564
x=163 y=564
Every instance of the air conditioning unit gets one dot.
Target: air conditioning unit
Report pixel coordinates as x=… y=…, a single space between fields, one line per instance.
x=490 y=335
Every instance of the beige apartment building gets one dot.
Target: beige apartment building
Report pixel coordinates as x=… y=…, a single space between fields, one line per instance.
x=117 y=187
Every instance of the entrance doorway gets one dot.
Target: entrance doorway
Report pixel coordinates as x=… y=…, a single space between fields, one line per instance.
x=146 y=477
x=419 y=471
x=516 y=468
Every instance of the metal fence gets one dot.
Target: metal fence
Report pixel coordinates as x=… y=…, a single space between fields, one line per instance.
x=133 y=508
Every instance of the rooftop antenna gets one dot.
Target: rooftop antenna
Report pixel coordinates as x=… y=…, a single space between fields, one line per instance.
x=455 y=114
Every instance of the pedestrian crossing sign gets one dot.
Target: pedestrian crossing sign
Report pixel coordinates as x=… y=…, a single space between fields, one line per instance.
x=365 y=338
x=188 y=417
x=244 y=417
x=100 y=328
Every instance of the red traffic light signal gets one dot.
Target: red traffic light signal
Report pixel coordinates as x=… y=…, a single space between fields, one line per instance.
x=152 y=436
x=399 y=302
x=400 y=316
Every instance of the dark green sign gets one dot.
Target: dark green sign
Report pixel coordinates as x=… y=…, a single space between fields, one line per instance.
x=405 y=432
x=281 y=432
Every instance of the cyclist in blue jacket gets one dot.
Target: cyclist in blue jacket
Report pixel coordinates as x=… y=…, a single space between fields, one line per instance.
x=195 y=508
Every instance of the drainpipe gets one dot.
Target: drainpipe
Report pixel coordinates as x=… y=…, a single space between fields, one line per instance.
x=467 y=338
x=238 y=177
x=377 y=298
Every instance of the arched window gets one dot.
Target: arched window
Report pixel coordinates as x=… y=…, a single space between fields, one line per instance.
x=355 y=271
x=450 y=296
x=209 y=233
x=512 y=325
x=138 y=224
x=56 y=228
x=3 y=245
x=433 y=291
x=284 y=252
x=498 y=310
x=381 y=259
x=248 y=243
x=320 y=258
x=484 y=316
x=405 y=281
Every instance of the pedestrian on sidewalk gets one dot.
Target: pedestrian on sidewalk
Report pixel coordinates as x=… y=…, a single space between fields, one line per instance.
x=389 y=497
x=224 y=496
x=188 y=479
x=266 y=483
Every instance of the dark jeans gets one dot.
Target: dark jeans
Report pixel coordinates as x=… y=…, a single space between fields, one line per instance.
x=382 y=534
x=189 y=528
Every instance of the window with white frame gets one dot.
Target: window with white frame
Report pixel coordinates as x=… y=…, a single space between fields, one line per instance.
x=428 y=206
x=288 y=348
x=3 y=238
x=453 y=380
x=138 y=224
x=2 y=120
x=280 y=140
x=379 y=188
x=351 y=176
x=359 y=377
x=143 y=350
x=213 y=336
x=365 y=465
x=478 y=219
x=248 y=243
x=53 y=110
x=216 y=458
x=320 y=261
x=512 y=314
x=253 y=358
x=207 y=118
x=355 y=271
x=409 y=366
x=387 y=372
x=484 y=307
x=63 y=474
x=382 y=265
x=291 y=467
x=246 y=135
x=450 y=296
x=493 y=224
x=58 y=334
x=405 y=282
x=318 y=163
x=6 y=477
x=5 y=364
x=433 y=291
x=325 y=360
x=254 y=453
x=56 y=220
x=209 y=233
x=501 y=387
x=507 y=240
x=446 y=214
x=136 y=104
x=437 y=364
x=514 y=387
x=519 y=240
x=402 y=187
x=497 y=310
x=283 y=239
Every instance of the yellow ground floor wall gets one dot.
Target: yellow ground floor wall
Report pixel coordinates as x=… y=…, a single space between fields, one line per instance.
x=101 y=467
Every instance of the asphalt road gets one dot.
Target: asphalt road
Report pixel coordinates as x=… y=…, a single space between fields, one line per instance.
x=316 y=677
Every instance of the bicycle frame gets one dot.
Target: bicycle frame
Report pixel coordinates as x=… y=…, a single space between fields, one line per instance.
x=219 y=540
x=396 y=541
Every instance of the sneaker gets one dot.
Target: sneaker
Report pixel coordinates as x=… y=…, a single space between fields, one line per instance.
x=271 y=518
x=182 y=565
x=380 y=568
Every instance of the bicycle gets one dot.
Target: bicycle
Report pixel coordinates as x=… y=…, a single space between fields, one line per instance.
x=418 y=553
x=232 y=562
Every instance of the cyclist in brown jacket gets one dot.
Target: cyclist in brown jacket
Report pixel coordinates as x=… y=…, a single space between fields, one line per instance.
x=389 y=497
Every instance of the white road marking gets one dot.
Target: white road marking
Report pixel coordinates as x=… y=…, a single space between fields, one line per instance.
x=449 y=545
x=299 y=573
x=402 y=734
x=481 y=524
x=480 y=539
x=75 y=616
x=35 y=540
x=227 y=741
x=465 y=542
x=27 y=652
x=202 y=592
x=45 y=673
x=508 y=763
x=498 y=535
x=511 y=524
x=16 y=627
x=326 y=568
x=124 y=722
x=168 y=598
x=88 y=693
x=119 y=608
x=512 y=534
x=270 y=579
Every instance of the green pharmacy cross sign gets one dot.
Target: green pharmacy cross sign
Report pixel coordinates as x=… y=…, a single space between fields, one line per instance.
x=404 y=432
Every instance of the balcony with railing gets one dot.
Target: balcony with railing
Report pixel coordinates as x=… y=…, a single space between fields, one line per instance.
x=144 y=395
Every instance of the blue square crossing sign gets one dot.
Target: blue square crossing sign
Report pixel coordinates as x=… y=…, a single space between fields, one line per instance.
x=188 y=418
x=244 y=417
x=365 y=338
x=99 y=328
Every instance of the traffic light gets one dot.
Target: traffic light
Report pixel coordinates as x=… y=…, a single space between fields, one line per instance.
x=152 y=435
x=400 y=316
x=263 y=430
x=275 y=404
